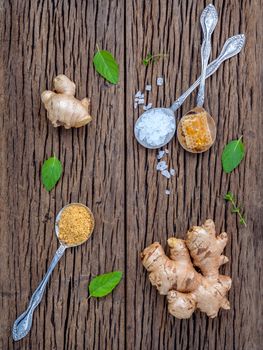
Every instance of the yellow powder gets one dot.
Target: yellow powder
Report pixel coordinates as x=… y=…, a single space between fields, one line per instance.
x=75 y=225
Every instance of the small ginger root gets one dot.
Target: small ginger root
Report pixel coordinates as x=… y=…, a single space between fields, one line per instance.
x=176 y=276
x=63 y=109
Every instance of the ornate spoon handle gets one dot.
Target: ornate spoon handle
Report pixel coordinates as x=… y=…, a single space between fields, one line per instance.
x=23 y=323
x=231 y=48
x=208 y=22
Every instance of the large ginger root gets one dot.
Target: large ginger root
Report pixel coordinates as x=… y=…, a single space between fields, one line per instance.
x=62 y=107
x=176 y=277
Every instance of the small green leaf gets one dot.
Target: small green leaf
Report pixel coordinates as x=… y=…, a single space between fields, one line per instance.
x=102 y=285
x=229 y=196
x=106 y=65
x=145 y=62
x=51 y=172
x=232 y=155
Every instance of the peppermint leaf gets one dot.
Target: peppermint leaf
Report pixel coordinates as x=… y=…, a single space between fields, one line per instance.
x=229 y=196
x=232 y=155
x=106 y=65
x=102 y=285
x=51 y=172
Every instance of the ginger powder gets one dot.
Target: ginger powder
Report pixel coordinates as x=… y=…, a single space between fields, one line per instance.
x=75 y=225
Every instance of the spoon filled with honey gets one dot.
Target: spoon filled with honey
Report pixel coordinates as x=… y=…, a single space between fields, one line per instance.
x=74 y=225
x=197 y=129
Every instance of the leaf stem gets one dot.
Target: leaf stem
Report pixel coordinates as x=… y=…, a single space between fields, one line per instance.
x=151 y=58
x=238 y=142
x=235 y=208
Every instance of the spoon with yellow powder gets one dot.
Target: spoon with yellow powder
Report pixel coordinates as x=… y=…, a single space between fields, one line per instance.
x=74 y=225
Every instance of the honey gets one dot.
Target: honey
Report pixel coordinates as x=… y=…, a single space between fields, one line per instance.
x=195 y=130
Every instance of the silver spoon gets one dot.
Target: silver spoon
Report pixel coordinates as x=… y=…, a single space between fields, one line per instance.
x=231 y=48
x=208 y=22
x=200 y=128
x=23 y=323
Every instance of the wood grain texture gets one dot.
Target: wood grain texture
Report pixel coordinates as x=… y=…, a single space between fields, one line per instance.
x=106 y=169
x=43 y=39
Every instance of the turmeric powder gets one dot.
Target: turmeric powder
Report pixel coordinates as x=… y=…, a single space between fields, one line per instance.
x=75 y=225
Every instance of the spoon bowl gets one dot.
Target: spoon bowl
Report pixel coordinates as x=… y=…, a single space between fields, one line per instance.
x=58 y=219
x=155 y=127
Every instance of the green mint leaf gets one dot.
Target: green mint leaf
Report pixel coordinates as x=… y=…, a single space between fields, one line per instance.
x=102 y=285
x=232 y=155
x=106 y=65
x=145 y=62
x=229 y=196
x=51 y=172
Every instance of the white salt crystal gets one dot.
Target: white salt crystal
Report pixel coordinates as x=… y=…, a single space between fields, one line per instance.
x=161 y=165
x=138 y=94
x=172 y=172
x=135 y=105
x=167 y=192
x=159 y=81
x=141 y=101
x=155 y=127
x=166 y=151
x=148 y=87
x=160 y=154
x=147 y=107
x=166 y=174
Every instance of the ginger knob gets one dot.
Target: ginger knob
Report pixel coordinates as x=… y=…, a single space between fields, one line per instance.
x=63 y=109
x=176 y=276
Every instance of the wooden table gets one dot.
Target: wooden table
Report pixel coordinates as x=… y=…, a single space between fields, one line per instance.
x=105 y=168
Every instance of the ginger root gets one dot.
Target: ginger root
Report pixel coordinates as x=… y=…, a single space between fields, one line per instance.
x=63 y=109
x=176 y=276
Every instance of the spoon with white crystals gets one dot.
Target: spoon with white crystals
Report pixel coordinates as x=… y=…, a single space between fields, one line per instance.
x=143 y=128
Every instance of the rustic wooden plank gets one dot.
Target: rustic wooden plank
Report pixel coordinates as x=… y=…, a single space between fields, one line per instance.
x=40 y=39
x=199 y=185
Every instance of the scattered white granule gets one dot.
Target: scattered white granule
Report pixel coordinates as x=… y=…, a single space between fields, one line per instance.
x=135 y=105
x=161 y=165
x=138 y=94
x=166 y=151
x=148 y=106
x=140 y=101
x=160 y=154
x=166 y=174
x=154 y=126
x=167 y=192
x=159 y=81
x=148 y=87
x=172 y=172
